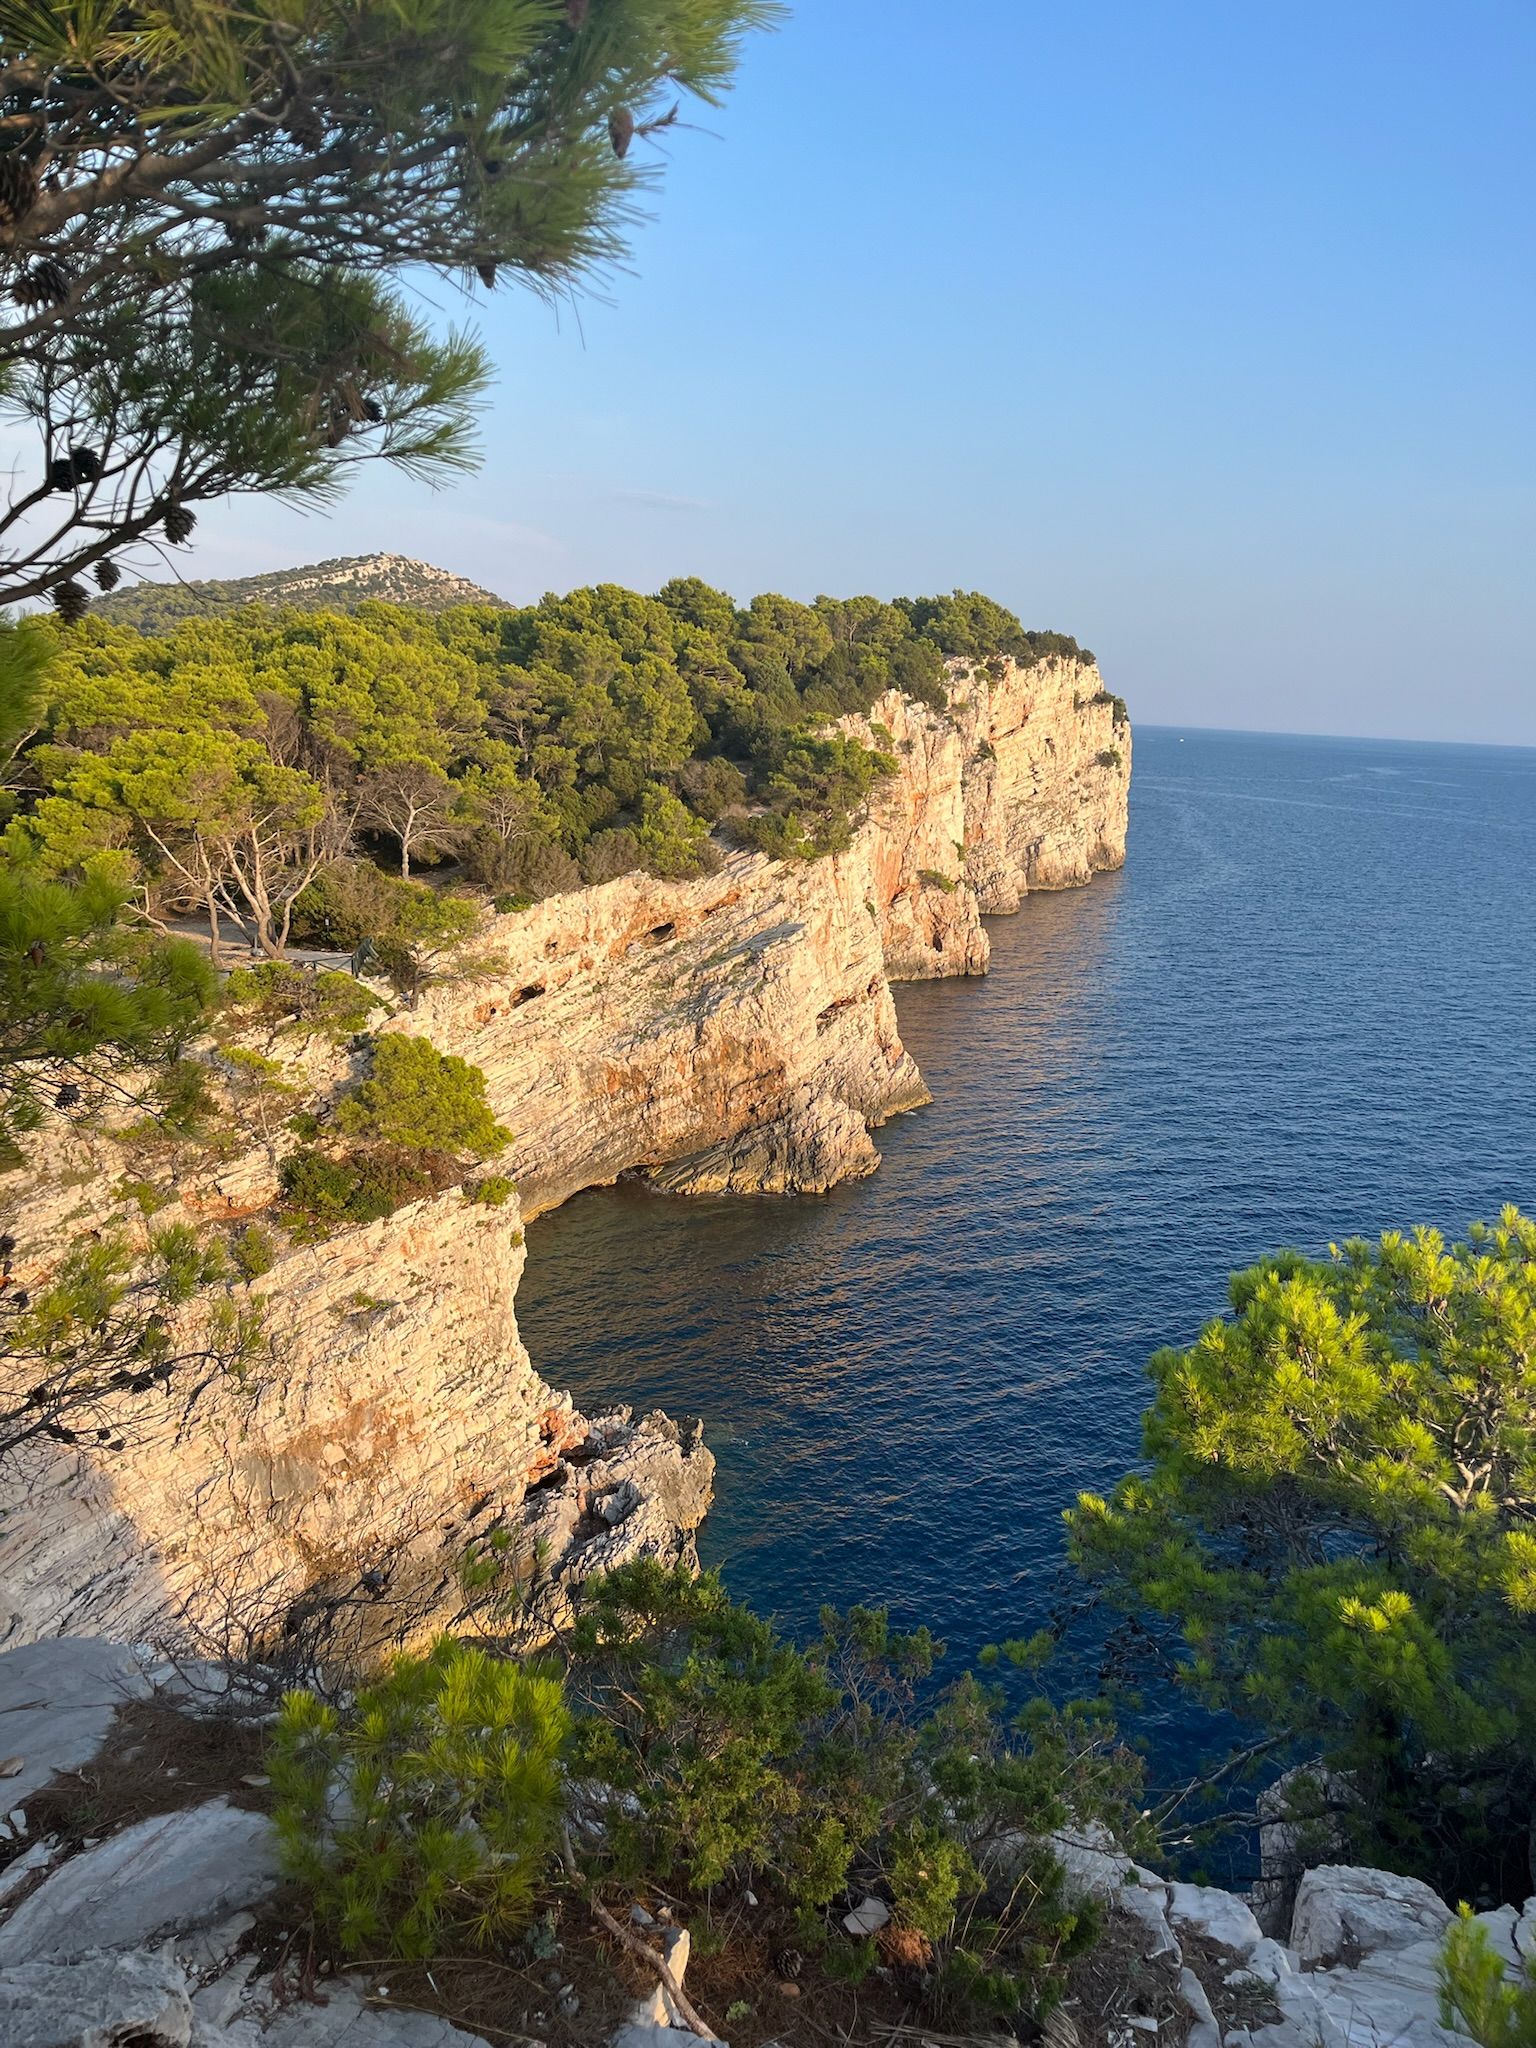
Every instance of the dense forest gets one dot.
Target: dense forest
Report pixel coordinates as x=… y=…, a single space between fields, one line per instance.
x=232 y=766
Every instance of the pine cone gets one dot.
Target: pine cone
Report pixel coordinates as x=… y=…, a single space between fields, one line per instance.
x=305 y=126
x=86 y=464
x=45 y=284
x=18 y=188
x=108 y=575
x=71 y=601
x=179 y=523
x=621 y=131
x=67 y=1096
x=373 y=412
x=486 y=272
x=61 y=474
x=576 y=12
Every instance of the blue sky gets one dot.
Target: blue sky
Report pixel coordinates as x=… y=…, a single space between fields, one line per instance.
x=1206 y=332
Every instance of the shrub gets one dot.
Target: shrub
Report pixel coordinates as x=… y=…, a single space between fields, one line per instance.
x=1477 y=1995
x=493 y=1191
x=1122 y=715
x=278 y=994
x=506 y=905
x=1109 y=757
x=324 y=1193
x=423 y=1817
x=253 y=1251
x=935 y=880
x=417 y=1097
x=734 y=1754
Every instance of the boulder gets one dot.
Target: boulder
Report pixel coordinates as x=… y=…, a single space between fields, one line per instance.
x=165 y=1874
x=1345 y=1913
x=1216 y=1915
x=96 y=2001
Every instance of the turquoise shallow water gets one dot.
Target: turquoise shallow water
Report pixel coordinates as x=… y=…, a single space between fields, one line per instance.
x=1306 y=1008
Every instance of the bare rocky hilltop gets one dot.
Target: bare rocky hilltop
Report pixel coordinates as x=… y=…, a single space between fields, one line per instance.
x=338 y=585
x=735 y=1031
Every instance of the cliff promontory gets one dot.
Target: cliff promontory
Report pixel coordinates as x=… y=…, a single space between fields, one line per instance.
x=734 y=1031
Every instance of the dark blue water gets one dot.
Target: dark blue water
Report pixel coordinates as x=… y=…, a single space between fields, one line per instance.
x=1306 y=1009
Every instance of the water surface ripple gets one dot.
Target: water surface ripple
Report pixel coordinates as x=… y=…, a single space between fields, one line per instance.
x=1305 y=1009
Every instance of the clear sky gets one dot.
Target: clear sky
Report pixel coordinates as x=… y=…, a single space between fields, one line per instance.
x=1205 y=331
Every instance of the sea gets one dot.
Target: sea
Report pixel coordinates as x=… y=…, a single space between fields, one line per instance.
x=1305 y=1009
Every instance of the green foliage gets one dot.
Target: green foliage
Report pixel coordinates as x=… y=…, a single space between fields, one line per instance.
x=286 y=998
x=83 y=1354
x=1109 y=757
x=1336 y=1517
x=230 y=326
x=1122 y=715
x=578 y=738
x=733 y=1754
x=421 y=1099
x=421 y=1819
x=493 y=1190
x=253 y=1251
x=323 y=1193
x=935 y=880
x=83 y=999
x=1477 y=1995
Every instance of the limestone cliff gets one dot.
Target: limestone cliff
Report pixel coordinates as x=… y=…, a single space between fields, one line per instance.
x=388 y=1417
x=732 y=1032
x=737 y=1032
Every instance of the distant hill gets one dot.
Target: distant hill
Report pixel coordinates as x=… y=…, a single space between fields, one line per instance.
x=341 y=585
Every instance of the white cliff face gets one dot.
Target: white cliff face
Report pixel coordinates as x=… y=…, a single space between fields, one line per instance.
x=735 y=1032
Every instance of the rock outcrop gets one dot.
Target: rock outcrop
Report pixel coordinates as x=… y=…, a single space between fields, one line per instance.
x=734 y=1032
x=389 y=1418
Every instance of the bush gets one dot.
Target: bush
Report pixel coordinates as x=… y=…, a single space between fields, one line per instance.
x=494 y=1191
x=734 y=1755
x=324 y=1193
x=1109 y=757
x=253 y=1251
x=1122 y=715
x=419 y=1098
x=1477 y=1994
x=935 y=880
x=277 y=994
x=423 y=1817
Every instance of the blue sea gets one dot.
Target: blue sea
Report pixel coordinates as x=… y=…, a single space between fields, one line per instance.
x=1304 y=1010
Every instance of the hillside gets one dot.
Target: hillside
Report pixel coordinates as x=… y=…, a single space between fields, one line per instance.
x=339 y=585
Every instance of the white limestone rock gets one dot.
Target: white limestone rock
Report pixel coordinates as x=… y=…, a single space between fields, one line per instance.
x=171 y=1872
x=96 y=2001
x=58 y=1700
x=1217 y=1915
x=1345 y=1913
x=867 y=1917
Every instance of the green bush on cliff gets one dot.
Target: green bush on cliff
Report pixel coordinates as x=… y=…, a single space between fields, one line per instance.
x=420 y=1099
x=422 y=1818
x=1338 y=1517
